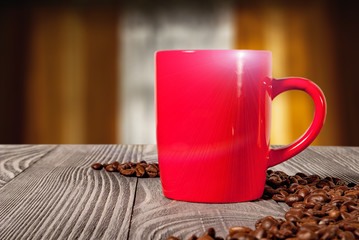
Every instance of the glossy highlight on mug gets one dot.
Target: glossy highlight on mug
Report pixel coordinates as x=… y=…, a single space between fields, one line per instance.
x=213 y=112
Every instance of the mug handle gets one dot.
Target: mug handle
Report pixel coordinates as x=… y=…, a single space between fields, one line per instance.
x=279 y=155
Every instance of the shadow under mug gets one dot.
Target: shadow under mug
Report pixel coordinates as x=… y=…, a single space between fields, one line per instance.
x=213 y=113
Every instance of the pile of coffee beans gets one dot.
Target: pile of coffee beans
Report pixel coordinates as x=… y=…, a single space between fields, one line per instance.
x=321 y=208
x=130 y=169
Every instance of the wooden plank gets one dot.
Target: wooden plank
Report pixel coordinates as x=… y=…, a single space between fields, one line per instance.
x=61 y=197
x=156 y=217
x=341 y=162
x=14 y=159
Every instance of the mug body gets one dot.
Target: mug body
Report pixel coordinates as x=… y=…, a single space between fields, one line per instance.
x=213 y=123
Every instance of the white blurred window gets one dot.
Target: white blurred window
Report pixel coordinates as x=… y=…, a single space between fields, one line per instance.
x=142 y=33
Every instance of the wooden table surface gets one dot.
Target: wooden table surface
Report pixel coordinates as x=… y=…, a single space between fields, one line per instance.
x=50 y=192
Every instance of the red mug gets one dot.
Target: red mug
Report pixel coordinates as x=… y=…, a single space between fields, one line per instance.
x=213 y=113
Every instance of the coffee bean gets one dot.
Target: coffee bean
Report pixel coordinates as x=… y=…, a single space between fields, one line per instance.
x=309 y=226
x=339 y=199
x=293 y=179
x=172 y=238
x=205 y=237
x=115 y=164
x=339 y=182
x=233 y=230
x=351 y=226
x=271 y=234
x=288 y=225
x=330 y=207
x=268 y=222
x=128 y=172
x=298 y=211
x=210 y=232
x=308 y=220
x=351 y=184
x=282 y=188
x=97 y=166
x=351 y=197
x=130 y=168
x=281 y=174
x=303 y=192
x=152 y=174
x=193 y=237
x=279 y=197
x=352 y=192
x=259 y=233
x=326 y=221
x=293 y=216
x=307 y=235
x=269 y=190
x=152 y=170
x=317 y=198
x=299 y=205
x=140 y=171
x=343 y=188
x=302 y=182
x=345 y=215
x=292 y=198
x=284 y=234
x=312 y=178
x=346 y=235
x=300 y=174
x=330 y=179
x=241 y=236
x=348 y=206
x=318 y=213
x=334 y=214
x=110 y=168
x=293 y=187
x=274 y=180
x=155 y=165
x=309 y=212
x=355 y=214
x=319 y=191
x=327 y=232
x=322 y=183
x=124 y=166
x=356 y=232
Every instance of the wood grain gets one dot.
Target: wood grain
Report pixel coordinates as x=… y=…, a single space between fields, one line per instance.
x=341 y=162
x=156 y=217
x=61 y=197
x=14 y=159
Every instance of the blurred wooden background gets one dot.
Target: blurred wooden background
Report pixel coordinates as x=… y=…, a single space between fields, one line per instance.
x=62 y=65
x=59 y=75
